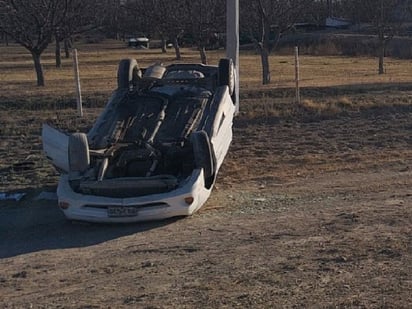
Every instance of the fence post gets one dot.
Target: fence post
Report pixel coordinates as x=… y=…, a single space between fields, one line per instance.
x=297 y=75
x=77 y=81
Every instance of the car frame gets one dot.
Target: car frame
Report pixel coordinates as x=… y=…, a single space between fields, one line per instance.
x=155 y=150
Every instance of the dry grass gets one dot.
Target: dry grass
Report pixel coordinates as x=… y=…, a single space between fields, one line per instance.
x=329 y=84
x=323 y=71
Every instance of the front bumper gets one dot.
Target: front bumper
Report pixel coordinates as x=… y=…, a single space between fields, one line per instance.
x=145 y=208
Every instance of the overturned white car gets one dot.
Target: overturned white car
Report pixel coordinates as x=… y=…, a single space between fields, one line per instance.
x=155 y=150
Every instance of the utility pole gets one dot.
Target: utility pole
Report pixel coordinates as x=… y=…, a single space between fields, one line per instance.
x=232 y=41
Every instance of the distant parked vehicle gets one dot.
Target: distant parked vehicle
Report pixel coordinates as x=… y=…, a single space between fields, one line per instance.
x=337 y=23
x=138 y=42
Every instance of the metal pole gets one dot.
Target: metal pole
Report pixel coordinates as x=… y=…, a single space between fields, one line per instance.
x=77 y=81
x=232 y=41
x=297 y=75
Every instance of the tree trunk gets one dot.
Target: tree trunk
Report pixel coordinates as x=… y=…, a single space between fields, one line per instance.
x=67 y=46
x=38 y=67
x=329 y=8
x=58 y=53
x=177 y=49
x=381 y=69
x=203 y=57
x=264 y=56
x=264 y=46
x=382 y=47
x=381 y=37
x=164 y=48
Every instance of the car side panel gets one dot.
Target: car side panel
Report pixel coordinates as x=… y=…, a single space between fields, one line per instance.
x=222 y=128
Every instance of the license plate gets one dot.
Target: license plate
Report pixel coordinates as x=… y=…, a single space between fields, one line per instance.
x=122 y=211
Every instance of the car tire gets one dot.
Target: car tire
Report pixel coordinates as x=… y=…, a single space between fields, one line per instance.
x=202 y=150
x=128 y=73
x=227 y=74
x=79 y=156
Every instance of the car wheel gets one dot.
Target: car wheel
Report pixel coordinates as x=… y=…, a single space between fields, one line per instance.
x=227 y=74
x=128 y=73
x=79 y=156
x=202 y=150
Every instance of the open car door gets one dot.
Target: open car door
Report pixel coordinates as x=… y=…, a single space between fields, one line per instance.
x=55 y=146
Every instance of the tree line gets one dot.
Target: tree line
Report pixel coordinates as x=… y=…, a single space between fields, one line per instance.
x=35 y=24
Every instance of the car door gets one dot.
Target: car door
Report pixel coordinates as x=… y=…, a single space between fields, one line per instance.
x=55 y=147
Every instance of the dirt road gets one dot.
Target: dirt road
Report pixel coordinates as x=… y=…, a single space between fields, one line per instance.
x=304 y=214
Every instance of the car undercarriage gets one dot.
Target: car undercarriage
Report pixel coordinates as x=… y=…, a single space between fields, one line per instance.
x=161 y=127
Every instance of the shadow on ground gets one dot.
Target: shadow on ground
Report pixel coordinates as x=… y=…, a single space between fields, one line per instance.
x=35 y=225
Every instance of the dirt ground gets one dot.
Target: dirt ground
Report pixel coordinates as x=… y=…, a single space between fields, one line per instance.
x=304 y=215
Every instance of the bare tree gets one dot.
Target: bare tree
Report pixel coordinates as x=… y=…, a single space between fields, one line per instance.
x=4 y=38
x=205 y=18
x=115 y=19
x=196 y=19
x=172 y=26
x=386 y=18
x=154 y=17
x=80 y=16
x=267 y=22
x=33 y=24
x=172 y=19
